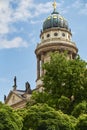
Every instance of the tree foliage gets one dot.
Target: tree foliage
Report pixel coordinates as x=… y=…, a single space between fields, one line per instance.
x=81 y=122
x=65 y=78
x=43 y=117
x=9 y=119
x=79 y=109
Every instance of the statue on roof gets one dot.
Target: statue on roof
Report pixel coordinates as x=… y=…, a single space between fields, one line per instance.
x=15 y=83
x=28 y=88
x=4 y=98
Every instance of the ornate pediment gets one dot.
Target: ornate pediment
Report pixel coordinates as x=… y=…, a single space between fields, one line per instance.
x=13 y=98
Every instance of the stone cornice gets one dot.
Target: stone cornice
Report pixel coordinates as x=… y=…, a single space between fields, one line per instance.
x=55 y=46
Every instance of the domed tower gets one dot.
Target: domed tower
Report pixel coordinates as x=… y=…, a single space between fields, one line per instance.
x=55 y=36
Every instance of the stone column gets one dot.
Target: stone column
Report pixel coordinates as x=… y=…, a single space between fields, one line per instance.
x=70 y=55
x=42 y=62
x=38 y=67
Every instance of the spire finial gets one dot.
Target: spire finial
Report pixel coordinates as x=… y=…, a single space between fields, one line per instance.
x=54 y=4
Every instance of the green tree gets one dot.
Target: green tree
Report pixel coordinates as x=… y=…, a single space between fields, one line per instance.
x=82 y=122
x=63 y=104
x=43 y=117
x=38 y=97
x=79 y=109
x=65 y=78
x=9 y=119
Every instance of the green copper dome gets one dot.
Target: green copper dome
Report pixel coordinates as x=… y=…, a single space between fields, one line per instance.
x=55 y=20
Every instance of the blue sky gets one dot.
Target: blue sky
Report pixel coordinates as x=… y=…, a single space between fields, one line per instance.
x=20 y=25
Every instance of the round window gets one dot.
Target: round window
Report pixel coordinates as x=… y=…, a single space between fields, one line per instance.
x=55 y=34
x=48 y=35
x=63 y=34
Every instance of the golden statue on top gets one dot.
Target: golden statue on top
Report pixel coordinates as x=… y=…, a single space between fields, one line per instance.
x=54 y=4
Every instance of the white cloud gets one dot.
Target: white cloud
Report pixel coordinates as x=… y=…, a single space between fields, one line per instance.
x=22 y=12
x=12 y=11
x=42 y=8
x=35 y=21
x=5 y=16
x=10 y=15
x=81 y=6
x=28 y=9
x=14 y=43
x=15 y=11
